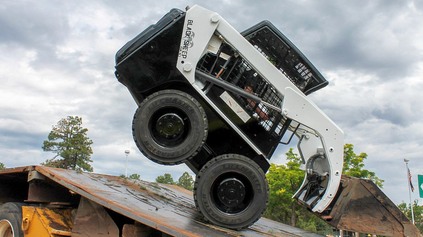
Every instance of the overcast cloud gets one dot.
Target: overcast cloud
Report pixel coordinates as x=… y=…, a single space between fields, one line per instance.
x=57 y=59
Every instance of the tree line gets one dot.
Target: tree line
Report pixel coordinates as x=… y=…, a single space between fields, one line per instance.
x=185 y=180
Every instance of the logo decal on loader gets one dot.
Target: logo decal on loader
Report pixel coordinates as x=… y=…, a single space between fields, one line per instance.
x=187 y=40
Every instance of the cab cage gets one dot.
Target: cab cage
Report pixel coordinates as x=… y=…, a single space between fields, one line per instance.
x=285 y=56
x=252 y=91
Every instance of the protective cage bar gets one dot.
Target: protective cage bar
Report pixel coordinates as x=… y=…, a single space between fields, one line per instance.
x=230 y=67
x=286 y=57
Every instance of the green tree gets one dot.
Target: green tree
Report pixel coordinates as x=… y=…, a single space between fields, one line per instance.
x=354 y=165
x=135 y=176
x=418 y=213
x=71 y=145
x=284 y=181
x=165 y=179
x=2 y=167
x=186 y=181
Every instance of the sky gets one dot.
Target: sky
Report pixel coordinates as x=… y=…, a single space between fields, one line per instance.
x=57 y=59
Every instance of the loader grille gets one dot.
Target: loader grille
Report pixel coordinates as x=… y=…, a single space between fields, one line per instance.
x=285 y=56
x=235 y=70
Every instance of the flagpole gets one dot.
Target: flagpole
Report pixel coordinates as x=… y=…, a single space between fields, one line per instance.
x=409 y=189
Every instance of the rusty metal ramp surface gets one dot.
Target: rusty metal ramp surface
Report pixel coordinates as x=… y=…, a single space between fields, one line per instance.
x=167 y=208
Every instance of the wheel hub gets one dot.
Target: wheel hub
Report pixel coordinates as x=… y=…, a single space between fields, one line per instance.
x=231 y=192
x=170 y=126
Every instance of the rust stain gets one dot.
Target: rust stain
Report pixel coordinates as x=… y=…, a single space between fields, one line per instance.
x=58 y=220
x=16 y=170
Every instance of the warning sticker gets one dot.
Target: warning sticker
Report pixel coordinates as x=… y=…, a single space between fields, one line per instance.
x=242 y=114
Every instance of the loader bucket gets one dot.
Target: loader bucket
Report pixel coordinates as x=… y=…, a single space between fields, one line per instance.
x=360 y=206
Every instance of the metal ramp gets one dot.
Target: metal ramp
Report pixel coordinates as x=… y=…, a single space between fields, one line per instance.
x=167 y=208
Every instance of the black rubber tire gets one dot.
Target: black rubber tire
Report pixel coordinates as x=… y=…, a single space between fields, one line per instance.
x=11 y=220
x=185 y=131
x=211 y=178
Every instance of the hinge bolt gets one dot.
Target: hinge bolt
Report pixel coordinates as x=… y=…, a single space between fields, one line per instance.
x=187 y=67
x=215 y=18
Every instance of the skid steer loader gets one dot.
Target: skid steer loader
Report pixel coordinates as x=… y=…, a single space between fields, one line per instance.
x=221 y=101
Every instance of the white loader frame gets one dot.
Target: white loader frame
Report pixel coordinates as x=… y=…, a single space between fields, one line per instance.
x=203 y=32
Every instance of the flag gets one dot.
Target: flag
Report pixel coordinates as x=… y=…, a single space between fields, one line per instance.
x=409 y=180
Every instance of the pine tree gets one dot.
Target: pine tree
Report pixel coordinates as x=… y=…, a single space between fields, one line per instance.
x=69 y=142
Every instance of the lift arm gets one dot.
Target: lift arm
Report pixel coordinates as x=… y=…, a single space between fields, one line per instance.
x=321 y=147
